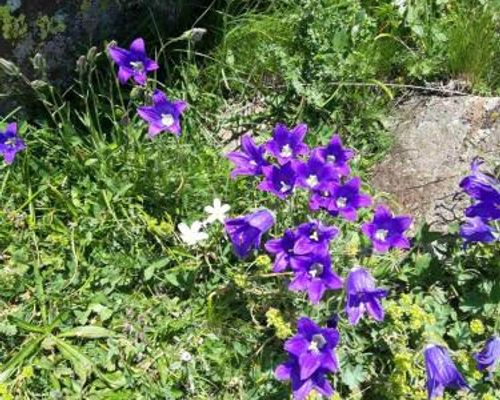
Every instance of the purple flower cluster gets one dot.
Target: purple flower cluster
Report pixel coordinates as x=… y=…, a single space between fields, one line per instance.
x=312 y=356
x=285 y=163
x=481 y=216
x=163 y=115
x=305 y=251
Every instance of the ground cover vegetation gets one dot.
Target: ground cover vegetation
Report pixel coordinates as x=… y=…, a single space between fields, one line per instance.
x=137 y=262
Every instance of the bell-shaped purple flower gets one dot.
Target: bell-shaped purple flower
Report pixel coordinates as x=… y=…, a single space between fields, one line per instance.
x=282 y=248
x=387 y=231
x=163 y=115
x=363 y=295
x=246 y=232
x=279 y=180
x=314 y=348
x=476 y=230
x=314 y=237
x=441 y=372
x=479 y=185
x=315 y=173
x=337 y=155
x=347 y=199
x=301 y=388
x=133 y=63
x=485 y=190
x=249 y=160
x=10 y=143
x=488 y=358
x=314 y=274
x=287 y=145
x=321 y=199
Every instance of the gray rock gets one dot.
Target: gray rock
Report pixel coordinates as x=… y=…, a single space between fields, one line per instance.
x=436 y=138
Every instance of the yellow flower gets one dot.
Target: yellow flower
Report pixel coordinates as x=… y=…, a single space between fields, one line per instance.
x=417 y=317
x=405 y=300
x=476 y=327
x=352 y=247
x=402 y=361
x=477 y=375
x=263 y=262
x=240 y=280
x=275 y=320
x=488 y=396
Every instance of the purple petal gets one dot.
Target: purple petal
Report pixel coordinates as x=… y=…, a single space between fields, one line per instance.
x=159 y=98
x=283 y=372
x=299 y=283
x=316 y=290
x=308 y=363
x=138 y=46
x=375 y=309
x=124 y=74
x=296 y=345
x=119 y=55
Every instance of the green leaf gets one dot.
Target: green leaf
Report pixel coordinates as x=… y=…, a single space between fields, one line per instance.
x=88 y=332
x=150 y=271
x=26 y=326
x=80 y=362
x=30 y=348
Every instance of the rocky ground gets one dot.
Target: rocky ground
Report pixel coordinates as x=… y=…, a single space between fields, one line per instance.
x=436 y=138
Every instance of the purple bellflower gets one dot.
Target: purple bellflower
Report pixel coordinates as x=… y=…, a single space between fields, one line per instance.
x=337 y=155
x=485 y=190
x=441 y=372
x=287 y=145
x=279 y=180
x=476 y=230
x=362 y=295
x=314 y=237
x=347 y=199
x=488 y=358
x=246 y=231
x=314 y=274
x=321 y=199
x=282 y=248
x=315 y=173
x=133 y=63
x=10 y=143
x=301 y=388
x=314 y=348
x=387 y=231
x=163 y=115
x=248 y=161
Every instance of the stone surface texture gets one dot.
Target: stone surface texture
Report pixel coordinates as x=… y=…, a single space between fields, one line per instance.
x=435 y=140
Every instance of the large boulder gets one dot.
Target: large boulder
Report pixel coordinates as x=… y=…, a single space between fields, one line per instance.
x=62 y=30
x=436 y=138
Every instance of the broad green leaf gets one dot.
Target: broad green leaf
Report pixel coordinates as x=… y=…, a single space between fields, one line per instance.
x=80 y=362
x=88 y=332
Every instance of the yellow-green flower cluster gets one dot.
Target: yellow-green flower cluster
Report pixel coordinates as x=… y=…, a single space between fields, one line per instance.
x=276 y=321
x=406 y=313
x=476 y=327
x=263 y=262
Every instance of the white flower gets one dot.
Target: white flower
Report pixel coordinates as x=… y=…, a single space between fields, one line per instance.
x=217 y=212
x=186 y=356
x=192 y=235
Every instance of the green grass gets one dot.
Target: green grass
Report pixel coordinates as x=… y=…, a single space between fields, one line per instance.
x=99 y=296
